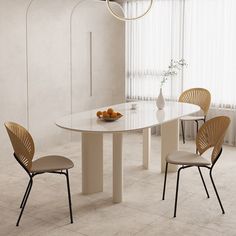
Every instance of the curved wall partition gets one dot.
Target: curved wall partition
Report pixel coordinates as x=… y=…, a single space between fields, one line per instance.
x=42 y=65
x=13 y=89
x=97 y=76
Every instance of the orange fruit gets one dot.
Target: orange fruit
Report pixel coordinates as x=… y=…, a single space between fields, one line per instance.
x=99 y=113
x=105 y=114
x=113 y=115
x=110 y=111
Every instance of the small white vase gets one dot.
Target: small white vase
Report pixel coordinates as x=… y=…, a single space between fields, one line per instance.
x=160 y=100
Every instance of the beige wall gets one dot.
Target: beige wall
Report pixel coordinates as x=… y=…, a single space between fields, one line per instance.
x=41 y=77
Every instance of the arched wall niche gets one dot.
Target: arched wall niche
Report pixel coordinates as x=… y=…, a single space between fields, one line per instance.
x=97 y=76
x=41 y=72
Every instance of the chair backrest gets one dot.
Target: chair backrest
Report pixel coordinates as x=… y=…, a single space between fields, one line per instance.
x=22 y=143
x=211 y=134
x=197 y=96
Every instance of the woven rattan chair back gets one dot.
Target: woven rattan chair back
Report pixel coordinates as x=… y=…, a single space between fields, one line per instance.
x=212 y=134
x=197 y=96
x=22 y=143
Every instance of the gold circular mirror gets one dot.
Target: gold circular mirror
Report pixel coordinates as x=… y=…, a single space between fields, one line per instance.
x=124 y=18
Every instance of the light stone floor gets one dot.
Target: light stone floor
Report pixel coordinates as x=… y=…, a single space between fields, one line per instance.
x=141 y=213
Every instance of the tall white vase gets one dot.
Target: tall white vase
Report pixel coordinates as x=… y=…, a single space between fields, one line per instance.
x=160 y=100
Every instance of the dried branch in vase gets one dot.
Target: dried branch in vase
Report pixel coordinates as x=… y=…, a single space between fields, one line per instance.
x=172 y=71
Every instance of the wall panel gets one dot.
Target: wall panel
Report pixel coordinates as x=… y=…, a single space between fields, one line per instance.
x=49 y=67
x=42 y=65
x=13 y=84
x=100 y=38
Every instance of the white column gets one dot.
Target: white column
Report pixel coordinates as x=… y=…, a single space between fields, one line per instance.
x=146 y=147
x=169 y=143
x=117 y=168
x=92 y=163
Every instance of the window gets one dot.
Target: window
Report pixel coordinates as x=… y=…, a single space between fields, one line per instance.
x=151 y=43
x=203 y=32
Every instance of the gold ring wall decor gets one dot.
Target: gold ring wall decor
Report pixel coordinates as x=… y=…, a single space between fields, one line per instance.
x=125 y=18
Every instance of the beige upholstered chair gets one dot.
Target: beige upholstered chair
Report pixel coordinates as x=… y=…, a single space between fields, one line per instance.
x=210 y=135
x=23 y=146
x=197 y=96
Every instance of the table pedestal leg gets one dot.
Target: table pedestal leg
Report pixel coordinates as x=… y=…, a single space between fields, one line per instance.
x=117 y=168
x=169 y=143
x=146 y=147
x=92 y=163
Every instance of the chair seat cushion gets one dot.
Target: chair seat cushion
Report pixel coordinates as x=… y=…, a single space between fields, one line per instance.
x=186 y=158
x=51 y=163
x=192 y=118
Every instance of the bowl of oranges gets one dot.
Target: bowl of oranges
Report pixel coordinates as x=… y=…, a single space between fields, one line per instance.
x=109 y=115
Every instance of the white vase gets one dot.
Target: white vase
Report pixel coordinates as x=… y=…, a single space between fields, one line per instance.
x=160 y=114
x=160 y=100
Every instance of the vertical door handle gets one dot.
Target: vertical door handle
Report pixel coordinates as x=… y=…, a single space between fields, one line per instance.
x=91 y=63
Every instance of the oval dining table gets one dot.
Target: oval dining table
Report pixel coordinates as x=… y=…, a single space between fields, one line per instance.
x=144 y=117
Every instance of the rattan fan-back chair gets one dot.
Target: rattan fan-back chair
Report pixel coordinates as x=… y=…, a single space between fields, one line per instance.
x=210 y=135
x=197 y=96
x=24 y=150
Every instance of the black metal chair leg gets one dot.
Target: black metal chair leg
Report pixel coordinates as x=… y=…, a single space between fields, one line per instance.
x=26 y=191
x=218 y=197
x=24 y=203
x=164 y=187
x=196 y=129
x=69 y=196
x=203 y=181
x=197 y=125
x=182 y=126
x=177 y=190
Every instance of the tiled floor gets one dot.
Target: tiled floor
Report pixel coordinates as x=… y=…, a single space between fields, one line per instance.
x=142 y=211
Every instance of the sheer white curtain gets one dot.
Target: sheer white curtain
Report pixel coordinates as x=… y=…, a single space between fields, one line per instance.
x=151 y=43
x=210 y=48
x=203 y=32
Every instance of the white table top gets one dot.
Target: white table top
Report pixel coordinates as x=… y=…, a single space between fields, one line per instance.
x=146 y=115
